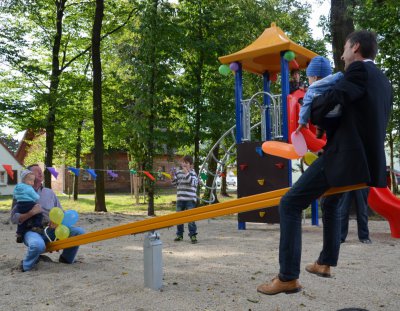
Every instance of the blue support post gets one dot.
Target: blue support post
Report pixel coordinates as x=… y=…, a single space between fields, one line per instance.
x=314 y=213
x=239 y=112
x=238 y=100
x=285 y=93
x=266 y=86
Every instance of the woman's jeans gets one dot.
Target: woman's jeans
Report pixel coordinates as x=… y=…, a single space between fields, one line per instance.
x=310 y=186
x=182 y=206
x=36 y=244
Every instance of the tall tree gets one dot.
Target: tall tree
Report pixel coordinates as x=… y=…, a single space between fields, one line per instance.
x=146 y=70
x=341 y=24
x=383 y=18
x=54 y=83
x=97 y=107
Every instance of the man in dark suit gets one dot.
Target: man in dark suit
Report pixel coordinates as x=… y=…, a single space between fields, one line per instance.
x=354 y=154
x=360 y=198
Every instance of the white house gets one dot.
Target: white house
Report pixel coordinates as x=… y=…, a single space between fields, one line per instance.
x=7 y=184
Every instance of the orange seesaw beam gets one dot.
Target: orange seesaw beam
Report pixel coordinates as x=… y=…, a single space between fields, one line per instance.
x=263 y=200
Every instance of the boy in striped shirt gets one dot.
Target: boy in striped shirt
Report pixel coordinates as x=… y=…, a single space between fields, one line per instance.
x=186 y=182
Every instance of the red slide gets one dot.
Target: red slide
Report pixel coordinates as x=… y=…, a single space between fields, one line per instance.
x=293 y=107
x=386 y=204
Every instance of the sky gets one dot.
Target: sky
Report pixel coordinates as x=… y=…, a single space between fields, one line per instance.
x=319 y=7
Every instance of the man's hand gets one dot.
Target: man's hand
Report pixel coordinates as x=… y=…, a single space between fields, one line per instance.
x=37 y=209
x=52 y=225
x=300 y=127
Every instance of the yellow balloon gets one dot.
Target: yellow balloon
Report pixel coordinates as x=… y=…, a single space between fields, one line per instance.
x=56 y=215
x=62 y=232
x=309 y=158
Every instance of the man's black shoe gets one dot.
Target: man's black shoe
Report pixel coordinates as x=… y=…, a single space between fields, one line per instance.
x=45 y=258
x=63 y=260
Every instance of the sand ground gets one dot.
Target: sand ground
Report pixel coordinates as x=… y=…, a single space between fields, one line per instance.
x=221 y=272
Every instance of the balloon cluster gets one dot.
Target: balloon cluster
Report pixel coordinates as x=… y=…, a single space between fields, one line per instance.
x=63 y=220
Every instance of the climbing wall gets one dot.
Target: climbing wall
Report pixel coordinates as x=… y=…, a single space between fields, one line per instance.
x=258 y=173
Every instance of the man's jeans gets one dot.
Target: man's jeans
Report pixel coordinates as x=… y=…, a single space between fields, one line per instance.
x=310 y=186
x=361 y=197
x=182 y=206
x=36 y=244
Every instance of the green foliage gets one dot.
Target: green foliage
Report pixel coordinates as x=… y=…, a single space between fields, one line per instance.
x=383 y=18
x=9 y=141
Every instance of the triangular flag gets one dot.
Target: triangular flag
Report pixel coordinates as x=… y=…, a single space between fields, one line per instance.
x=112 y=174
x=74 y=170
x=149 y=175
x=9 y=170
x=203 y=177
x=52 y=171
x=166 y=175
x=92 y=173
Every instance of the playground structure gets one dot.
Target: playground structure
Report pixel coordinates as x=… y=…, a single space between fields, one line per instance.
x=257 y=172
x=262 y=179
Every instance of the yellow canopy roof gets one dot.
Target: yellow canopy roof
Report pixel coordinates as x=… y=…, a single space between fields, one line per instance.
x=264 y=53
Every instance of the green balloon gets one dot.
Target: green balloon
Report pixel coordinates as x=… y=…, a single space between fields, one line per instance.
x=224 y=70
x=289 y=55
x=56 y=215
x=62 y=232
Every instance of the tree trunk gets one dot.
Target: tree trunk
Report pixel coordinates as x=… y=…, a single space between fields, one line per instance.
x=152 y=105
x=54 y=83
x=198 y=95
x=78 y=157
x=97 y=108
x=341 y=24
x=224 y=186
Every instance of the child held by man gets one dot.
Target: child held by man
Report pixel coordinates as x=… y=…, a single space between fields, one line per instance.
x=321 y=79
x=27 y=198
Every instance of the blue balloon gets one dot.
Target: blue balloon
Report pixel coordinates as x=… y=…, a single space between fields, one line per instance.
x=70 y=218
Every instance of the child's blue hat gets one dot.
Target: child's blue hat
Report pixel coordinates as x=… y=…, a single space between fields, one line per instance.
x=25 y=173
x=319 y=67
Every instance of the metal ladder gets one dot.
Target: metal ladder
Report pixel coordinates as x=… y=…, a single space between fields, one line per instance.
x=229 y=149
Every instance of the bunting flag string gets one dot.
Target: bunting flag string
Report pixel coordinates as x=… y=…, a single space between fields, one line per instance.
x=92 y=172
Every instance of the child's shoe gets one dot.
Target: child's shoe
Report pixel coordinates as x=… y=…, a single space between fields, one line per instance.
x=20 y=238
x=178 y=238
x=193 y=239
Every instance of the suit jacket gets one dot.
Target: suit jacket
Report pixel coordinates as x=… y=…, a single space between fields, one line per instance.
x=355 y=151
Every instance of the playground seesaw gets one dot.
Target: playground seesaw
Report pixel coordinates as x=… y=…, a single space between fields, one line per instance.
x=263 y=200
